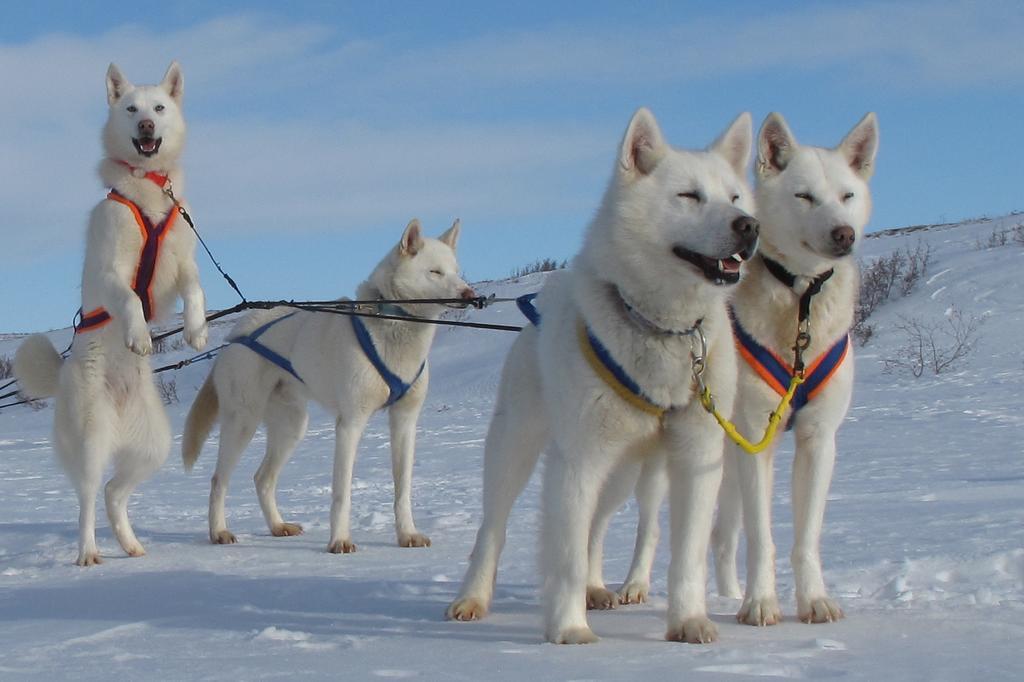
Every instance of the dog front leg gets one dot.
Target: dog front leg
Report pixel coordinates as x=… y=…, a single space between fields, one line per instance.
x=346 y=440
x=402 y=420
x=695 y=473
x=572 y=482
x=760 y=602
x=194 y=304
x=124 y=305
x=812 y=474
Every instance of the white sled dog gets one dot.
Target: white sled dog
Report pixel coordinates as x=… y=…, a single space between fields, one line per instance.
x=813 y=204
x=138 y=259
x=605 y=382
x=353 y=366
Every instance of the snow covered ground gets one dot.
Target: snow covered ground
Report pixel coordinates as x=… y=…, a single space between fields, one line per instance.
x=923 y=544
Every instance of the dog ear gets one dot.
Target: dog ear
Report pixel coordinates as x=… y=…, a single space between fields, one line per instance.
x=117 y=85
x=775 y=145
x=861 y=145
x=174 y=82
x=643 y=146
x=412 y=239
x=451 y=235
x=736 y=142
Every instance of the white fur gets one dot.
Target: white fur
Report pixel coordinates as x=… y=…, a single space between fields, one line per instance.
x=107 y=407
x=247 y=389
x=596 y=443
x=796 y=233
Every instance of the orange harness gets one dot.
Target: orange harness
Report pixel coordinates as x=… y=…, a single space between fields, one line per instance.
x=152 y=238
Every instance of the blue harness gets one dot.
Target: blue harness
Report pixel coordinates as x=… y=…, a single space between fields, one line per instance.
x=396 y=387
x=601 y=361
x=251 y=342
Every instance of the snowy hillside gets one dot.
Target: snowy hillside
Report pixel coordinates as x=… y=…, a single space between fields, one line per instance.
x=923 y=542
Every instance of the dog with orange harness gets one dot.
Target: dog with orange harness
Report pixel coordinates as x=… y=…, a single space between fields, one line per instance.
x=138 y=260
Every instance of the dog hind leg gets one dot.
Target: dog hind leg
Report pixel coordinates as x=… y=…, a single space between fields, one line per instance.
x=651 y=489
x=146 y=448
x=286 y=419
x=726 y=535
x=237 y=428
x=614 y=493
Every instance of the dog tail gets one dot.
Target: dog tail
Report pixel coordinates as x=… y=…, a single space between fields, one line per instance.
x=201 y=418
x=36 y=367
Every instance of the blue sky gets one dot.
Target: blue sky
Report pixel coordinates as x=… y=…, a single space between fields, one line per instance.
x=318 y=129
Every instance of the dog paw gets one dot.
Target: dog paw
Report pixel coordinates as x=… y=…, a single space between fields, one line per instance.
x=601 y=599
x=466 y=609
x=223 y=537
x=196 y=336
x=634 y=592
x=821 y=610
x=697 y=630
x=413 y=540
x=88 y=559
x=341 y=547
x=576 y=635
x=139 y=341
x=284 y=530
x=135 y=550
x=760 y=612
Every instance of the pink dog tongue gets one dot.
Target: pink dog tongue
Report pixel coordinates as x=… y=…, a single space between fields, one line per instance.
x=148 y=145
x=729 y=265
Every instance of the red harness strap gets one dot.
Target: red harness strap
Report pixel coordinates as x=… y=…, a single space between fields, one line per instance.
x=152 y=238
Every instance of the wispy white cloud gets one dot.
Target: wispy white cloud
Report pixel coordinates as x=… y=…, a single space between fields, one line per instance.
x=293 y=124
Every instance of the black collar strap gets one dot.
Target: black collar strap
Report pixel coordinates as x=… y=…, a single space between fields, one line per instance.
x=803 y=338
x=789 y=279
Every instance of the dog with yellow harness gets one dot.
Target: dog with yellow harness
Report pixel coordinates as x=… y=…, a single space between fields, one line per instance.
x=790 y=318
x=603 y=381
x=139 y=258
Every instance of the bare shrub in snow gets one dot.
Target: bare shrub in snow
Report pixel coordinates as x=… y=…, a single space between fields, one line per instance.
x=1018 y=234
x=916 y=266
x=168 y=390
x=880 y=279
x=934 y=346
x=540 y=265
x=6 y=367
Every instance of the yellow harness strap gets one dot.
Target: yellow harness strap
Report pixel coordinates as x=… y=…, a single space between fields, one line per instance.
x=609 y=377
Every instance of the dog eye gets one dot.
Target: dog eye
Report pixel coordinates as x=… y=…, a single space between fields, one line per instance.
x=436 y=272
x=735 y=198
x=159 y=107
x=695 y=196
x=805 y=196
x=847 y=196
x=132 y=109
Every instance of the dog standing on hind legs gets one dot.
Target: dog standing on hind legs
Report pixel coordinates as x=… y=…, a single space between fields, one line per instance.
x=813 y=204
x=138 y=260
x=279 y=359
x=604 y=381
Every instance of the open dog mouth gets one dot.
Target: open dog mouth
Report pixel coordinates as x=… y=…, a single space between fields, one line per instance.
x=718 y=270
x=147 y=146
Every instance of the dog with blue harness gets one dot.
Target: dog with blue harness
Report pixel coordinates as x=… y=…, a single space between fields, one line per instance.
x=604 y=385
x=352 y=365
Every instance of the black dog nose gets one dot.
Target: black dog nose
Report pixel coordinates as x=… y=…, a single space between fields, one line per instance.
x=844 y=236
x=146 y=127
x=745 y=226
